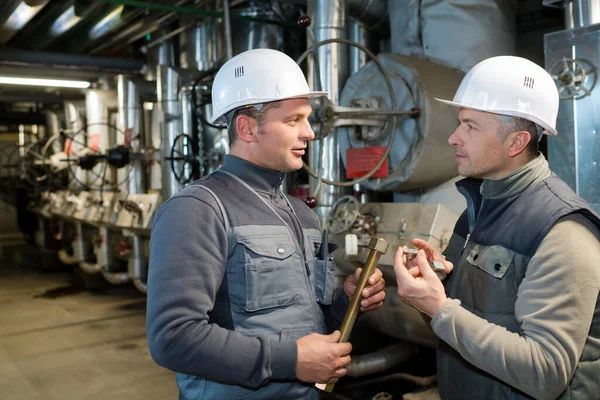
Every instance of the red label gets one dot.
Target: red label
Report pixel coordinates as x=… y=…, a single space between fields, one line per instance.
x=359 y=161
x=128 y=136
x=69 y=147
x=94 y=141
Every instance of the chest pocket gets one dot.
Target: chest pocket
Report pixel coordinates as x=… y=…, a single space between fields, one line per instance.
x=269 y=272
x=494 y=260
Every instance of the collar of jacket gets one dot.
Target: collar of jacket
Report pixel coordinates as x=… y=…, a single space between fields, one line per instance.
x=259 y=178
x=511 y=185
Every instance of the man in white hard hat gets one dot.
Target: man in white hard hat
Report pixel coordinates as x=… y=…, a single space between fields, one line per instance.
x=241 y=291
x=519 y=316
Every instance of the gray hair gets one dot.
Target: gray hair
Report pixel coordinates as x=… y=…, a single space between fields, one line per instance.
x=512 y=124
x=257 y=112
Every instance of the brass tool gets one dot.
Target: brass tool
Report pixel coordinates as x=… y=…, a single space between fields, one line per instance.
x=378 y=247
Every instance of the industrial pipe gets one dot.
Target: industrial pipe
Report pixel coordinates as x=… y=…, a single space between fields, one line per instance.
x=196 y=11
x=227 y=18
x=138 y=265
x=381 y=360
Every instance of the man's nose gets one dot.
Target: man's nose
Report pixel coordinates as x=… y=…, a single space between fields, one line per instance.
x=308 y=133
x=454 y=139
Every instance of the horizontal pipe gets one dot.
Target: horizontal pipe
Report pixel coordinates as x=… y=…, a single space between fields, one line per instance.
x=116 y=278
x=196 y=11
x=72 y=60
x=65 y=258
x=89 y=268
x=140 y=285
x=381 y=360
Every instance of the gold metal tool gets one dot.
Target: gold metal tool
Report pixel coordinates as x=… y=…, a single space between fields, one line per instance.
x=378 y=247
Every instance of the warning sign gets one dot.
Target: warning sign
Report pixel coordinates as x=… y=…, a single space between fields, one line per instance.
x=359 y=161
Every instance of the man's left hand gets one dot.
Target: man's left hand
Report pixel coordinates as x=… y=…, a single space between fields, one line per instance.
x=419 y=286
x=373 y=295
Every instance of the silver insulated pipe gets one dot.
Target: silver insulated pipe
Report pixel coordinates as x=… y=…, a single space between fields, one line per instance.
x=328 y=22
x=129 y=124
x=167 y=85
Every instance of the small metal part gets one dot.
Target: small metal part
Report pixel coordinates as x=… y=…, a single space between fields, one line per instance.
x=436 y=266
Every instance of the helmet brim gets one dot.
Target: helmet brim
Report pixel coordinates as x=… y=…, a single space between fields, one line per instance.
x=548 y=130
x=308 y=95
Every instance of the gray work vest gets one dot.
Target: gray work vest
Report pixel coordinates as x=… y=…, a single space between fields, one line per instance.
x=489 y=270
x=274 y=287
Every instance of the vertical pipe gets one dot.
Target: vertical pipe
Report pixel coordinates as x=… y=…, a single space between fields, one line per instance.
x=138 y=265
x=98 y=131
x=129 y=123
x=75 y=124
x=360 y=35
x=226 y=17
x=329 y=21
x=170 y=125
x=359 y=59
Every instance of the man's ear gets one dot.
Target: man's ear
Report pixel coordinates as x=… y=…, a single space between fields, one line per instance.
x=246 y=128
x=519 y=142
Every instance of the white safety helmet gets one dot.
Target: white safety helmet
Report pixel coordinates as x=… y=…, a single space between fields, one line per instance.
x=512 y=86
x=256 y=77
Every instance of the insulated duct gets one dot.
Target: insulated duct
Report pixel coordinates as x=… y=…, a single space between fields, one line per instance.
x=454 y=33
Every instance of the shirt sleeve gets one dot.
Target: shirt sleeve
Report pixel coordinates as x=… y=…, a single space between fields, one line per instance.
x=188 y=255
x=554 y=308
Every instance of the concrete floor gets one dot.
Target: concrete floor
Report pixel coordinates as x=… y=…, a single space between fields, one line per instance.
x=59 y=342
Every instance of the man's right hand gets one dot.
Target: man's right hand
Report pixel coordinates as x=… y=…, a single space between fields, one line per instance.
x=321 y=359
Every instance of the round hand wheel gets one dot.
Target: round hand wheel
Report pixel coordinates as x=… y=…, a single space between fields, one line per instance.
x=343 y=214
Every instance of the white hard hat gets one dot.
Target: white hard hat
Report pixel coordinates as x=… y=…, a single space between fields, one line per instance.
x=513 y=86
x=255 y=77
